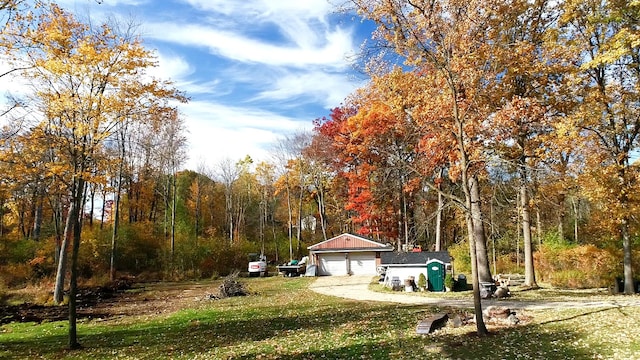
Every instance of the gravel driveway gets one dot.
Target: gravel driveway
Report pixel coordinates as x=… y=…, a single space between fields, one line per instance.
x=357 y=288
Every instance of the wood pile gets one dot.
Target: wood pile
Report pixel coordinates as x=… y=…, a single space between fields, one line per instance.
x=510 y=279
x=231 y=287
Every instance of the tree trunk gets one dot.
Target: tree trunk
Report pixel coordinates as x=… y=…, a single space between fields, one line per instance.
x=538 y=226
x=290 y=212
x=627 y=264
x=58 y=292
x=116 y=226
x=481 y=328
x=493 y=233
x=321 y=210
x=273 y=232
x=38 y=214
x=93 y=202
x=2 y=201
x=574 y=204
x=167 y=194
x=561 y=215
x=529 y=272
x=104 y=206
x=197 y=209
x=173 y=214
x=299 y=221
x=482 y=258
x=473 y=215
x=114 y=236
x=78 y=200
x=57 y=216
x=623 y=199
x=439 y=221
x=404 y=212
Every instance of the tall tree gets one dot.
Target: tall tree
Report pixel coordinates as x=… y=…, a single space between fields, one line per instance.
x=79 y=74
x=604 y=36
x=447 y=42
x=227 y=174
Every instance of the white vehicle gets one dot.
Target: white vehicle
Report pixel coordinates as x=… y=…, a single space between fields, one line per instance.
x=257 y=265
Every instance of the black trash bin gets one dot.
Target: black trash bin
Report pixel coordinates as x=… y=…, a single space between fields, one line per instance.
x=461 y=284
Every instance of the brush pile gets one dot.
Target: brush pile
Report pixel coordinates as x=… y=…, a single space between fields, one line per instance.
x=231 y=287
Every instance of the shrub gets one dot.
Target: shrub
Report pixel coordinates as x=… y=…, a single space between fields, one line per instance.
x=583 y=266
x=3 y=290
x=508 y=264
x=422 y=281
x=17 y=274
x=449 y=282
x=21 y=251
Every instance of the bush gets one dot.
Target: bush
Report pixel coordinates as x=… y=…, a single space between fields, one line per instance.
x=422 y=281
x=449 y=282
x=17 y=274
x=3 y=290
x=584 y=266
x=21 y=251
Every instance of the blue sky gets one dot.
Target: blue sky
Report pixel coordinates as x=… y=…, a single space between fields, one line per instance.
x=254 y=69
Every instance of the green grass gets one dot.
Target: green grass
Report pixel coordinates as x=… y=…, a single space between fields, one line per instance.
x=285 y=320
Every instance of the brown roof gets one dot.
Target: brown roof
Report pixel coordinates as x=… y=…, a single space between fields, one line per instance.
x=349 y=241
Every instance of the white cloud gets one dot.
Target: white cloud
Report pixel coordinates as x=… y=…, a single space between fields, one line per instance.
x=111 y=3
x=232 y=57
x=171 y=67
x=306 y=9
x=234 y=117
x=238 y=47
x=217 y=131
x=329 y=89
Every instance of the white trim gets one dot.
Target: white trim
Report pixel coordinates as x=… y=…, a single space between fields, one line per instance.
x=325 y=251
x=436 y=260
x=406 y=265
x=379 y=245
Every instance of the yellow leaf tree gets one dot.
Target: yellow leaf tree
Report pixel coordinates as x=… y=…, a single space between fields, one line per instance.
x=604 y=36
x=82 y=78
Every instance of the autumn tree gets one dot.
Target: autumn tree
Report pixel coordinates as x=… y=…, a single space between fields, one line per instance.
x=319 y=156
x=292 y=175
x=80 y=75
x=447 y=42
x=266 y=178
x=173 y=142
x=227 y=173
x=328 y=146
x=604 y=36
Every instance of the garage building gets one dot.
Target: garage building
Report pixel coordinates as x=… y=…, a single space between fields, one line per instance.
x=347 y=254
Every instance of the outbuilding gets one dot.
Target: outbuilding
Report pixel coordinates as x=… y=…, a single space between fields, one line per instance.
x=348 y=254
x=403 y=265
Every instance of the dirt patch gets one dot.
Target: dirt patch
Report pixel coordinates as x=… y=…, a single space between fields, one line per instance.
x=116 y=300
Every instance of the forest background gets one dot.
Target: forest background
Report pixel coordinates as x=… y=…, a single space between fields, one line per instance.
x=514 y=125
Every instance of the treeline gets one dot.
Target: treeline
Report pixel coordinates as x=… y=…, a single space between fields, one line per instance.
x=506 y=137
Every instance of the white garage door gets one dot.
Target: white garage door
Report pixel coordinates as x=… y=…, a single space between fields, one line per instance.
x=363 y=263
x=332 y=264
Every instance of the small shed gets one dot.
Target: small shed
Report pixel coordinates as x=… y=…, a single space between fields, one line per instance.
x=347 y=254
x=402 y=265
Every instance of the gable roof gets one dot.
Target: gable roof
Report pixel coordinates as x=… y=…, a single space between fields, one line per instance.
x=414 y=257
x=349 y=242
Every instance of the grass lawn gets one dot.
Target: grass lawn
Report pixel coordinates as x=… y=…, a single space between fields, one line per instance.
x=285 y=320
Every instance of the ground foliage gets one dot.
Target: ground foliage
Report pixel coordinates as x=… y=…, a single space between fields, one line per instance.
x=285 y=320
